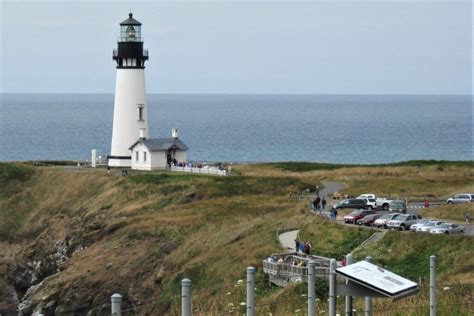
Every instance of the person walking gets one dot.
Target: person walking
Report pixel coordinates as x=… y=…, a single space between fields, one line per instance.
x=317 y=203
x=323 y=204
x=332 y=214
x=307 y=248
x=467 y=217
x=317 y=189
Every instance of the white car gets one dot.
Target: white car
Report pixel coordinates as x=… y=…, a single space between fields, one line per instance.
x=371 y=202
x=428 y=226
x=382 y=221
x=448 y=229
x=381 y=202
x=419 y=223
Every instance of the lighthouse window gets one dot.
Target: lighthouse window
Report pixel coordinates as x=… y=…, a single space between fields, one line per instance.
x=144 y=156
x=140 y=111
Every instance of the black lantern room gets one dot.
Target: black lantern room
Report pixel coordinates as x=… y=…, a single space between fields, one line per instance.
x=130 y=52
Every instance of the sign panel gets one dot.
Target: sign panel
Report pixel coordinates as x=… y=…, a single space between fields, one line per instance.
x=372 y=276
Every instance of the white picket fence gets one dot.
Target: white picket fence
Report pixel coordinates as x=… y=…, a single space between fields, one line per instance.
x=209 y=170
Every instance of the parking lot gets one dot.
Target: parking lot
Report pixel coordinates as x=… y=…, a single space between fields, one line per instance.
x=468 y=229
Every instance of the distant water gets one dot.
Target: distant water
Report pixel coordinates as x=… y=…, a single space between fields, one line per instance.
x=248 y=128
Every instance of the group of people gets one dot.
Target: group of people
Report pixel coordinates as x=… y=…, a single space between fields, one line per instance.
x=319 y=204
x=282 y=259
x=304 y=247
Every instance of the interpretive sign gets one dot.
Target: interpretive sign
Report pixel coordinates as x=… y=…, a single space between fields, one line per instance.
x=377 y=279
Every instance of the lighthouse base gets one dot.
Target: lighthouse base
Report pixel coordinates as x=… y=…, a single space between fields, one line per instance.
x=120 y=161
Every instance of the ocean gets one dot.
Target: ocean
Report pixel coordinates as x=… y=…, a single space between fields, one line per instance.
x=248 y=128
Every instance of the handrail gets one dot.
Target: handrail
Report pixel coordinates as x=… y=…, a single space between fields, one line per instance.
x=210 y=170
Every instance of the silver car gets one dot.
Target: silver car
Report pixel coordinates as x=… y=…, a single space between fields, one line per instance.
x=448 y=229
x=403 y=221
x=382 y=221
x=428 y=226
x=461 y=198
x=419 y=223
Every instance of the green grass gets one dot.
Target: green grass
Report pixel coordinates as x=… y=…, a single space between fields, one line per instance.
x=331 y=240
x=313 y=166
x=408 y=253
x=12 y=175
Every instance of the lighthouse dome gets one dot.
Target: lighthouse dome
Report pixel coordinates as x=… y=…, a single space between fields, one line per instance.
x=130 y=20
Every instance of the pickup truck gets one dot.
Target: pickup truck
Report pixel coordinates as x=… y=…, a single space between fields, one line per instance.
x=381 y=202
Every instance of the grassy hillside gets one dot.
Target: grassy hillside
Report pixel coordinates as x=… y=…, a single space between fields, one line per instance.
x=89 y=234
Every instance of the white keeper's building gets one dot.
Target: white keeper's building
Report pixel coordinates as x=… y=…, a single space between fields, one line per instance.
x=157 y=153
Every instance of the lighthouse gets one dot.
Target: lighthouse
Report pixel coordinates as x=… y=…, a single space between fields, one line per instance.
x=130 y=106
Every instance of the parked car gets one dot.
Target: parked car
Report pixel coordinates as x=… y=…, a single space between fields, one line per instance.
x=353 y=203
x=403 y=221
x=356 y=215
x=398 y=206
x=461 y=198
x=382 y=221
x=426 y=228
x=367 y=220
x=448 y=229
x=419 y=223
x=371 y=202
x=381 y=202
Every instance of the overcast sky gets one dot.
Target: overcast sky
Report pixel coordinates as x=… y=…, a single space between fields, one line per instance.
x=356 y=47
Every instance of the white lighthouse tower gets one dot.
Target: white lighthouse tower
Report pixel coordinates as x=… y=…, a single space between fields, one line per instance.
x=130 y=108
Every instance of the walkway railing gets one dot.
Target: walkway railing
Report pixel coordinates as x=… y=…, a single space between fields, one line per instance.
x=210 y=170
x=289 y=271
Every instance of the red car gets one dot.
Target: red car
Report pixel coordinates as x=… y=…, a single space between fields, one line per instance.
x=356 y=215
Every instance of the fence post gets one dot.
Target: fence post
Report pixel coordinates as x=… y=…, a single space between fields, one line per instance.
x=332 y=287
x=433 y=285
x=368 y=299
x=186 y=297
x=250 y=291
x=116 y=304
x=311 y=287
x=349 y=260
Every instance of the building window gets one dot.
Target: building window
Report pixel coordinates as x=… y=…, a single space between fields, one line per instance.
x=140 y=111
x=136 y=156
x=144 y=156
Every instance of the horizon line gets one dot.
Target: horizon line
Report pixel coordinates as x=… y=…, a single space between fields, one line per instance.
x=233 y=93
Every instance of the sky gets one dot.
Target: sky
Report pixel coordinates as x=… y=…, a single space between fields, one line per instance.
x=317 y=47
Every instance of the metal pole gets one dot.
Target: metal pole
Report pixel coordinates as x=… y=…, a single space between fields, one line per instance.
x=349 y=260
x=332 y=287
x=250 y=291
x=311 y=288
x=433 y=285
x=368 y=299
x=186 y=297
x=116 y=305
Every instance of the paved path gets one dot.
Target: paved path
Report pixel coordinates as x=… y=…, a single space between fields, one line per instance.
x=330 y=187
x=287 y=240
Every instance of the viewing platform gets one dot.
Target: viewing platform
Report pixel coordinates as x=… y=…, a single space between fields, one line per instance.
x=293 y=267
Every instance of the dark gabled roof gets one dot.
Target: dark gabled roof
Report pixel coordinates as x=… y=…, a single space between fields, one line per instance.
x=161 y=144
x=130 y=20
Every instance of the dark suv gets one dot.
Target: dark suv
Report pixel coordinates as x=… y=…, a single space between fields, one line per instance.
x=353 y=203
